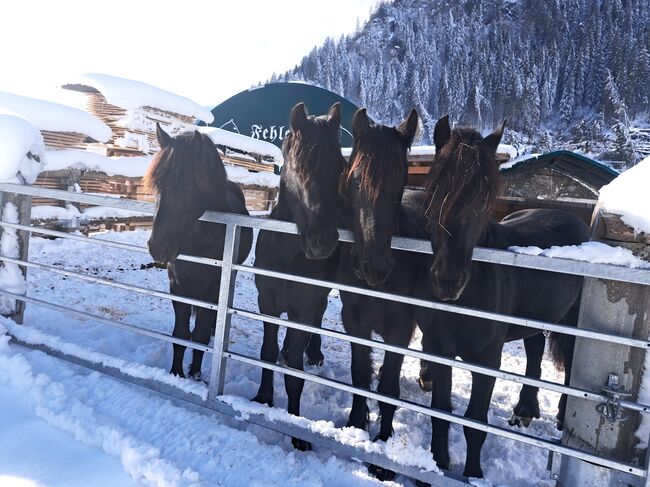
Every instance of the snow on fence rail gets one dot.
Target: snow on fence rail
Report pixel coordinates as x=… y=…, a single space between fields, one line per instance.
x=292 y=426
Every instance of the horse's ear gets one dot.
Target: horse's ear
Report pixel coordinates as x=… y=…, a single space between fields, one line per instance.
x=360 y=123
x=298 y=117
x=334 y=116
x=492 y=141
x=197 y=141
x=408 y=127
x=164 y=139
x=441 y=133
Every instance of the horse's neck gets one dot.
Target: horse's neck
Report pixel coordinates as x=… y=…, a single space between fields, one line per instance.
x=282 y=211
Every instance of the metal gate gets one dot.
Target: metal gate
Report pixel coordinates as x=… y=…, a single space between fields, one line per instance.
x=225 y=310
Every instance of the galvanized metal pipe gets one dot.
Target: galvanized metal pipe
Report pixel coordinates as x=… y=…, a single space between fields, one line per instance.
x=453 y=418
x=115 y=284
x=452 y=308
x=439 y=359
x=82 y=315
x=226 y=293
x=106 y=243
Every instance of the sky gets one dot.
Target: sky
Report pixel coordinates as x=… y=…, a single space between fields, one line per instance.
x=205 y=50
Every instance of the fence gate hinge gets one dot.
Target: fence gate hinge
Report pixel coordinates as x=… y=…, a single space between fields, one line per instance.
x=611 y=409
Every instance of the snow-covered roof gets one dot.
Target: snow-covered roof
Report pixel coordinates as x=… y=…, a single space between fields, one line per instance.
x=430 y=150
x=18 y=137
x=80 y=159
x=47 y=115
x=242 y=142
x=627 y=195
x=127 y=93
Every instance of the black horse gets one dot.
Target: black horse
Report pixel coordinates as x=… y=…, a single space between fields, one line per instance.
x=189 y=178
x=462 y=186
x=308 y=197
x=373 y=193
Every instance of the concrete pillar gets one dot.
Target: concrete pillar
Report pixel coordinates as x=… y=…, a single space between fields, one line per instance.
x=623 y=309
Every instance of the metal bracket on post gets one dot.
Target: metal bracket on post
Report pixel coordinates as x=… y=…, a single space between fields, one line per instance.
x=222 y=329
x=612 y=410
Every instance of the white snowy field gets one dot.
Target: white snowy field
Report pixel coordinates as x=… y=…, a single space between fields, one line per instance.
x=157 y=443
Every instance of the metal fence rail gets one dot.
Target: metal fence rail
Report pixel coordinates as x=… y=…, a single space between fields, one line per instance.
x=225 y=311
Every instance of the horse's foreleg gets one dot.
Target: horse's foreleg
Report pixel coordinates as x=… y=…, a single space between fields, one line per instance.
x=389 y=385
x=479 y=403
x=567 y=363
x=182 y=314
x=528 y=406
x=204 y=324
x=268 y=353
x=361 y=367
x=294 y=385
x=440 y=399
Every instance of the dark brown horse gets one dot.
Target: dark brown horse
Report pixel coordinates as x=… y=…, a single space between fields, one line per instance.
x=373 y=192
x=309 y=198
x=189 y=178
x=463 y=184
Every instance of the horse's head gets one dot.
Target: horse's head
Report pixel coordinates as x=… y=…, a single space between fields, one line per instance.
x=373 y=191
x=312 y=166
x=188 y=177
x=463 y=184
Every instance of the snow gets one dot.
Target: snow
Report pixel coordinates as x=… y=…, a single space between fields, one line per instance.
x=47 y=212
x=627 y=195
x=131 y=94
x=245 y=177
x=242 y=143
x=45 y=455
x=18 y=137
x=161 y=444
x=430 y=150
x=594 y=252
x=517 y=160
x=47 y=115
x=113 y=166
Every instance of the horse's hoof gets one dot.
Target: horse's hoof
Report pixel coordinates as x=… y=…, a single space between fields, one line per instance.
x=380 y=473
x=301 y=445
x=317 y=360
x=419 y=483
x=520 y=421
x=560 y=425
x=197 y=376
x=360 y=422
x=263 y=399
x=425 y=385
x=177 y=373
x=473 y=473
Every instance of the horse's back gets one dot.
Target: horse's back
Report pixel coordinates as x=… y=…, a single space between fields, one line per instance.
x=544 y=228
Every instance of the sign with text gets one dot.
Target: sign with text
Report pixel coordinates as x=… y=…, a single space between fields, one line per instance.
x=263 y=112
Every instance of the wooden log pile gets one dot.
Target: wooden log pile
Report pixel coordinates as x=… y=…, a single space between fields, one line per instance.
x=134 y=130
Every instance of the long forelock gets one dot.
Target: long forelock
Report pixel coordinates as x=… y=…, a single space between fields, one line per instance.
x=306 y=150
x=379 y=159
x=463 y=179
x=180 y=167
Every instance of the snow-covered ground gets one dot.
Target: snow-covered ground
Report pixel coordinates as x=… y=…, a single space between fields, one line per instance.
x=160 y=444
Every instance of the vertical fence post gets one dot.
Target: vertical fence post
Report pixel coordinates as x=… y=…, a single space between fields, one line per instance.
x=226 y=292
x=23 y=205
x=620 y=308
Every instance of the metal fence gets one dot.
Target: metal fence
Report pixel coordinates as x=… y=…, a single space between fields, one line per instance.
x=225 y=310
